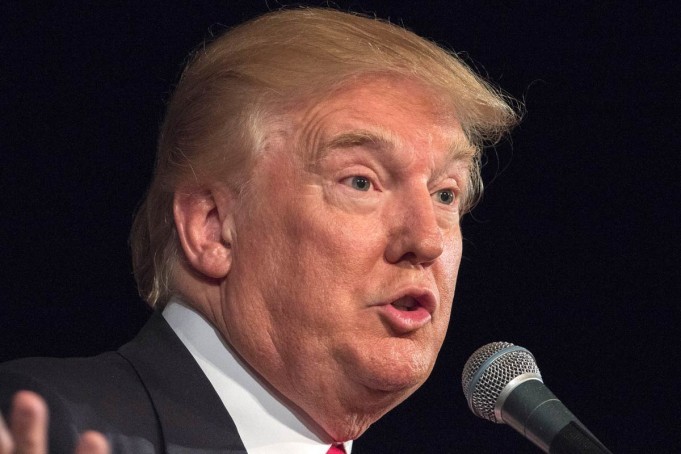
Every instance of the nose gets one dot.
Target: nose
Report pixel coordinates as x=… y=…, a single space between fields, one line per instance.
x=415 y=235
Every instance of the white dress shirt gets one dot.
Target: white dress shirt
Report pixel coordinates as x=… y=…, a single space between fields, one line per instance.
x=265 y=425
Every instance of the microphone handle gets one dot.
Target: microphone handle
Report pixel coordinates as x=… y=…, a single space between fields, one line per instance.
x=534 y=411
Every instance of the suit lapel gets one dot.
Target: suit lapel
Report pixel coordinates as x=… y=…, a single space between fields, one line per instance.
x=191 y=416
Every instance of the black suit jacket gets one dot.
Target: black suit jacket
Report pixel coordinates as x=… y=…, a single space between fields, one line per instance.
x=150 y=396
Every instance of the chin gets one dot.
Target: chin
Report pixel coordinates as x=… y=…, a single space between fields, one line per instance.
x=391 y=383
x=389 y=365
x=396 y=382
x=405 y=366
x=370 y=390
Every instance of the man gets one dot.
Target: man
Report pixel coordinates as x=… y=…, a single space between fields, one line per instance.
x=300 y=242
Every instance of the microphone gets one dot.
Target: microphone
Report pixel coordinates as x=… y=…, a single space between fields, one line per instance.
x=502 y=384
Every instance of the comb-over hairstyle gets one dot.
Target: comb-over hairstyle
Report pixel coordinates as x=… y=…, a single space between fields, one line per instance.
x=217 y=118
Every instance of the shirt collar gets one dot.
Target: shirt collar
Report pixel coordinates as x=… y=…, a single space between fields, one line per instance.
x=265 y=424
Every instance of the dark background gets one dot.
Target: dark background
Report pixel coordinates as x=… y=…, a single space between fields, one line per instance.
x=573 y=252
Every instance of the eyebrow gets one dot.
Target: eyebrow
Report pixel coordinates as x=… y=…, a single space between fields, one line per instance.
x=360 y=138
x=381 y=140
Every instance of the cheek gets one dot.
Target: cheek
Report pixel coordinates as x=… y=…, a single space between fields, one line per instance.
x=341 y=244
x=448 y=269
x=453 y=252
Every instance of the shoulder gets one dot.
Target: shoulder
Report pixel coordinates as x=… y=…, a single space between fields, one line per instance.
x=92 y=382
x=68 y=377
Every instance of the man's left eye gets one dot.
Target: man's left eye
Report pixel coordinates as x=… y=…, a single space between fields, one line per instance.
x=360 y=183
x=446 y=196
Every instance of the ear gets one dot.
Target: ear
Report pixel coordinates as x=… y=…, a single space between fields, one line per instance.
x=204 y=222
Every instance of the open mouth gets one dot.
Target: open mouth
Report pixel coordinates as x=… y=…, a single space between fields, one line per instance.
x=410 y=312
x=406 y=304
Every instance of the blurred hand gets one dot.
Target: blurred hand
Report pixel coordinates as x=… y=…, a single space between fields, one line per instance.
x=26 y=429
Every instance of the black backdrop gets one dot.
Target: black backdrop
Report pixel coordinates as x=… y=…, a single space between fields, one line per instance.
x=573 y=252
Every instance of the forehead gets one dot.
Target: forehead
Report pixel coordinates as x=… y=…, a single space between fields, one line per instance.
x=384 y=113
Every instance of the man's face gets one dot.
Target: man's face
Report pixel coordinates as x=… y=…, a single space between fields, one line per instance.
x=346 y=250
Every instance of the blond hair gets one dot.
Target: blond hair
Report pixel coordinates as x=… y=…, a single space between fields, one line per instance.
x=215 y=121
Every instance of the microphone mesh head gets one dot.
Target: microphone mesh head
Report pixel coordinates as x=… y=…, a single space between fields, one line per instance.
x=489 y=369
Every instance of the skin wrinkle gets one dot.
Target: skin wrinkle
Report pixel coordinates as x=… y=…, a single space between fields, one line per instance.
x=384 y=141
x=461 y=147
x=376 y=138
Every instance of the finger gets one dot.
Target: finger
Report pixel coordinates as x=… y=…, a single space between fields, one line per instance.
x=92 y=442
x=6 y=442
x=28 y=423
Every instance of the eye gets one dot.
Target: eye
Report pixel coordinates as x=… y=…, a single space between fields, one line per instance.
x=360 y=183
x=445 y=196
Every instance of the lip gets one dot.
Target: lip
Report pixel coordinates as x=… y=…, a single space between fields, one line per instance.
x=406 y=321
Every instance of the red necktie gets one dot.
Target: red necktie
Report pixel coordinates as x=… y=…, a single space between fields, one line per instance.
x=336 y=449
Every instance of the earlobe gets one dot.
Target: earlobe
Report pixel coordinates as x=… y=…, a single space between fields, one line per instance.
x=203 y=222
